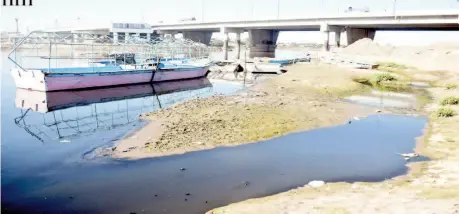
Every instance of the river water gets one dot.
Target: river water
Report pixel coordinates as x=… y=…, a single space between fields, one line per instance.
x=47 y=166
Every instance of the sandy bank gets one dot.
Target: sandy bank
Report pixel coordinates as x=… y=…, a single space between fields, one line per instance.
x=429 y=187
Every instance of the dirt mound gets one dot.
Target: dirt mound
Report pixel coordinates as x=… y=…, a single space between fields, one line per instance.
x=438 y=56
x=367 y=46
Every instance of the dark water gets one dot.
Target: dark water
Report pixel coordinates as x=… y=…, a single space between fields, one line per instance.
x=45 y=168
x=365 y=150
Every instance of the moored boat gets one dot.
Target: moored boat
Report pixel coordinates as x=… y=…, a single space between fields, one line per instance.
x=56 y=79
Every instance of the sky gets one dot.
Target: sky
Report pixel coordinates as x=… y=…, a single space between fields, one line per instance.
x=46 y=14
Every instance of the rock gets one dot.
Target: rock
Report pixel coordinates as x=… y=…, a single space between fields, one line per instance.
x=188 y=194
x=316 y=184
x=409 y=155
x=378 y=111
x=182 y=169
x=199 y=143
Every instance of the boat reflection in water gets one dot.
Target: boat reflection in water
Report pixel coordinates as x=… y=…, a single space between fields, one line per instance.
x=70 y=114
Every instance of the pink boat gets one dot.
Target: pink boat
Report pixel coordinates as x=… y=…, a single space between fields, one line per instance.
x=56 y=79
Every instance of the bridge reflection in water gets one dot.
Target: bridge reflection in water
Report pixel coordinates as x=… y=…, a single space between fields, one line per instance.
x=66 y=115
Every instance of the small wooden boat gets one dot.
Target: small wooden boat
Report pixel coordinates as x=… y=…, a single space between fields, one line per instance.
x=56 y=79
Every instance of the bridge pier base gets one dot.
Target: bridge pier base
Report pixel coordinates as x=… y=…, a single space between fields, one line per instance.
x=351 y=35
x=203 y=37
x=263 y=43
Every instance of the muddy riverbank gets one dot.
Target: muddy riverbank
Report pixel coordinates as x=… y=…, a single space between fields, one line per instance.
x=306 y=97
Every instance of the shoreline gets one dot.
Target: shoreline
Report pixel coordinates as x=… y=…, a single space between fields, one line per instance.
x=222 y=116
x=318 y=95
x=427 y=186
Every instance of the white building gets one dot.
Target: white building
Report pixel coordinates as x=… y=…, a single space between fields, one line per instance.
x=124 y=31
x=119 y=32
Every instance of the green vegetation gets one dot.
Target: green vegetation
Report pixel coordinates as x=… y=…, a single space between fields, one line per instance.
x=450 y=101
x=383 y=82
x=393 y=68
x=451 y=86
x=391 y=65
x=445 y=112
x=383 y=77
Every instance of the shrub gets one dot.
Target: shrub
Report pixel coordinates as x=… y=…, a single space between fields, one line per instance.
x=450 y=101
x=451 y=86
x=383 y=77
x=445 y=112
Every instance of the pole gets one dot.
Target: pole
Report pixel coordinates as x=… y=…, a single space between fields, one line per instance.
x=202 y=11
x=278 y=8
x=394 y=6
x=17 y=25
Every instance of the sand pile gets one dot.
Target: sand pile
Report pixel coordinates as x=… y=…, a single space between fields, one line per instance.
x=369 y=47
x=439 y=56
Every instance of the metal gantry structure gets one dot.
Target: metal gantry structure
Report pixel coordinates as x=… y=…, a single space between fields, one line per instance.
x=84 y=48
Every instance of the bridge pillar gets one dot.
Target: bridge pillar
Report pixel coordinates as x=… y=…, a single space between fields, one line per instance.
x=225 y=45
x=126 y=37
x=76 y=38
x=198 y=36
x=263 y=43
x=115 y=37
x=238 y=45
x=338 y=38
x=353 y=34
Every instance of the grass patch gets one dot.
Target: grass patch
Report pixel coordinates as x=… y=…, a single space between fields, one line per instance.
x=393 y=67
x=452 y=100
x=383 y=77
x=383 y=82
x=383 y=65
x=451 y=86
x=445 y=112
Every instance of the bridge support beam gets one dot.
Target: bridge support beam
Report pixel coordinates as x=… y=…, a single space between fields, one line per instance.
x=263 y=43
x=326 y=29
x=198 y=36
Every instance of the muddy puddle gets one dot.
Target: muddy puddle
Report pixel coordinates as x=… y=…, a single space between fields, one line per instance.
x=385 y=99
x=363 y=150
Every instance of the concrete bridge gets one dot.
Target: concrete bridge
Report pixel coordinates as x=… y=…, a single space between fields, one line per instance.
x=347 y=27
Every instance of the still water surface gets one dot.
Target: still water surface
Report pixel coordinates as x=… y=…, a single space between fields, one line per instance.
x=45 y=164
